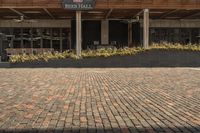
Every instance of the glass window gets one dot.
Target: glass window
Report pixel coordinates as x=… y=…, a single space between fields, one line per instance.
x=65 y=39
x=56 y=32
x=26 y=37
x=46 y=35
x=17 y=39
x=36 y=37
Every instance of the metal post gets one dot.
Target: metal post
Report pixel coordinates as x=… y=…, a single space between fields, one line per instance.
x=31 y=38
x=51 y=41
x=12 y=39
x=190 y=41
x=61 y=40
x=78 y=33
x=21 y=36
x=41 y=43
x=146 y=29
x=69 y=39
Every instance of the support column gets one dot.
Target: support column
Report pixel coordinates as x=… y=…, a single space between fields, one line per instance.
x=78 y=33
x=130 y=35
x=104 y=32
x=146 y=29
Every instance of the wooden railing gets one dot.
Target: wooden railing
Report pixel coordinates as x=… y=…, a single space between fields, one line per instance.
x=107 y=4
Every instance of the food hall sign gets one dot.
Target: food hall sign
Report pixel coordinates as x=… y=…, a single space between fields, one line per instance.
x=78 y=4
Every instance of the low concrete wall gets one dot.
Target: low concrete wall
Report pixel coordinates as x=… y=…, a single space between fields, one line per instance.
x=154 y=58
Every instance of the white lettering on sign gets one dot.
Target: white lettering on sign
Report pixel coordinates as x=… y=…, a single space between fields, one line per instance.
x=79 y=4
x=77 y=1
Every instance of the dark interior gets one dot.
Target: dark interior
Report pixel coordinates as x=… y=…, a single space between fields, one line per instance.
x=118 y=31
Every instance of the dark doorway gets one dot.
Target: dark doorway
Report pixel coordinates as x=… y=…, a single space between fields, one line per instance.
x=73 y=34
x=1 y=49
x=118 y=32
x=91 y=31
x=136 y=34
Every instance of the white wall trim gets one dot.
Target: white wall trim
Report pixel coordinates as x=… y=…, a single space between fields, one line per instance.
x=39 y=23
x=195 y=23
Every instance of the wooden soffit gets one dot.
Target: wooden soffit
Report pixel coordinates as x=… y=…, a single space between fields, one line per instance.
x=107 y=4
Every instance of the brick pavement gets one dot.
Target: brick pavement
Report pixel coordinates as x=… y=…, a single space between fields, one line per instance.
x=122 y=100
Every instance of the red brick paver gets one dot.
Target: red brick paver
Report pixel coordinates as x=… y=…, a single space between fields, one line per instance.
x=129 y=100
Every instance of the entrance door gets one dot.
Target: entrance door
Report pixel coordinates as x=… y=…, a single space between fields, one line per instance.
x=136 y=34
x=1 y=47
x=118 y=33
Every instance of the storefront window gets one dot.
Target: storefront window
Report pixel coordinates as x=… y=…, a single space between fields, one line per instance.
x=36 y=37
x=56 y=39
x=17 y=38
x=46 y=38
x=27 y=38
x=65 y=39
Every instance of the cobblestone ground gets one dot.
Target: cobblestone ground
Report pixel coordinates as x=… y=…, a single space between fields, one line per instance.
x=129 y=100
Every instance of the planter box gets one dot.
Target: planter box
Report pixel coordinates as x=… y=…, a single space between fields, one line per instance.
x=152 y=58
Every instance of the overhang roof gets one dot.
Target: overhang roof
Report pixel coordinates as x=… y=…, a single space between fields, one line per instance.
x=104 y=9
x=107 y=4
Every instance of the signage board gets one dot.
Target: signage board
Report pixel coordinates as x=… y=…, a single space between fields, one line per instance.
x=78 y=4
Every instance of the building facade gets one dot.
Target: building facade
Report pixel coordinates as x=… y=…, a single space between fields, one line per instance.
x=84 y=24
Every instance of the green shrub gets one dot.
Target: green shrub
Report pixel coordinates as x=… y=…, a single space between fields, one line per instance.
x=99 y=53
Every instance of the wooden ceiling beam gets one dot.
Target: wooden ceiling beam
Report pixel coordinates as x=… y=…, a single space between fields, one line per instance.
x=108 y=14
x=106 y=4
x=191 y=15
x=18 y=12
x=168 y=13
x=47 y=11
x=138 y=14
